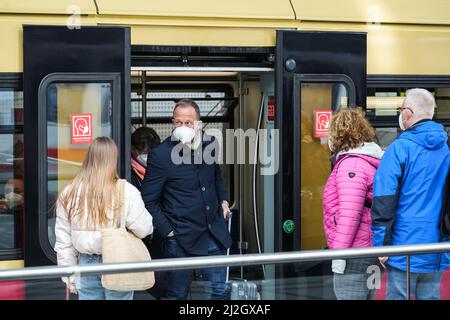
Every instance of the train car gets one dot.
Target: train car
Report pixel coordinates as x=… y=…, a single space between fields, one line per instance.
x=270 y=67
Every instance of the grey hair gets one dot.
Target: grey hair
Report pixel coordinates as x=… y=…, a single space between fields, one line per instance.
x=184 y=103
x=421 y=101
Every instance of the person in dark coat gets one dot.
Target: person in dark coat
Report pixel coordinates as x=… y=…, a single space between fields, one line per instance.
x=185 y=193
x=143 y=140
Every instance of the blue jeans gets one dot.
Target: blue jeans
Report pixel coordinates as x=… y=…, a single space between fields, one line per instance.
x=90 y=287
x=425 y=286
x=179 y=281
x=352 y=284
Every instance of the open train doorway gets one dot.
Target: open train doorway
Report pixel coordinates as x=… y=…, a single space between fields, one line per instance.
x=234 y=105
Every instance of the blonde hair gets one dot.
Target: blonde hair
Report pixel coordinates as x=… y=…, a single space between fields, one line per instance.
x=349 y=129
x=95 y=185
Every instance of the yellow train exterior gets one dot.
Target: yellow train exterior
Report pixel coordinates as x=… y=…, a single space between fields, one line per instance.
x=404 y=37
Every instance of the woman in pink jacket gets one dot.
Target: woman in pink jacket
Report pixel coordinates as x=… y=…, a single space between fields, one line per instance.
x=347 y=199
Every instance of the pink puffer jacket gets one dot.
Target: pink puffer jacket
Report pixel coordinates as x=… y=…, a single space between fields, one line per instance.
x=346 y=201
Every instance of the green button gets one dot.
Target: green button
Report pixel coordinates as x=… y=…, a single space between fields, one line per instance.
x=288 y=226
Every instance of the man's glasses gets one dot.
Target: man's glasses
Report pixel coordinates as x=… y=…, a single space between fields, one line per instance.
x=400 y=109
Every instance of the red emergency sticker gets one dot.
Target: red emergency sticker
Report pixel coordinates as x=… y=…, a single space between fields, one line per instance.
x=322 y=123
x=81 y=128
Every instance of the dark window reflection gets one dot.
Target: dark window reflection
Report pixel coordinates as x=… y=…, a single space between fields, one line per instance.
x=11 y=169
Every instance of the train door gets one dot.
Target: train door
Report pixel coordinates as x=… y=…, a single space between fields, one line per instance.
x=316 y=73
x=76 y=88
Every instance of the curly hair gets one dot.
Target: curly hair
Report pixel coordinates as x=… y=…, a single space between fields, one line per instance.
x=349 y=129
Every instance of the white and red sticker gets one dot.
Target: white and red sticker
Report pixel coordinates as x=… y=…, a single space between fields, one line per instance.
x=271 y=110
x=81 y=125
x=322 y=123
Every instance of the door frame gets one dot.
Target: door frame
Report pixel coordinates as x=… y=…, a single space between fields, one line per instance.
x=116 y=119
x=300 y=78
x=306 y=52
x=55 y=49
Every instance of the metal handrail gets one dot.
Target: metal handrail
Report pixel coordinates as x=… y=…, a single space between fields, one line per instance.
x=216 y=261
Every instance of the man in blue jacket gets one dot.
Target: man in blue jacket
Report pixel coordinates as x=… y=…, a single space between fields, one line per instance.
x=185 y=193
x=408 y=196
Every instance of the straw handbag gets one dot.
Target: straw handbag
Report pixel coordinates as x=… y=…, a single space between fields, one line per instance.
x=121 y=245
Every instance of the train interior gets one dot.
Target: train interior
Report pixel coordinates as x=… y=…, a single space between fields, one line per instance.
x=228 y=100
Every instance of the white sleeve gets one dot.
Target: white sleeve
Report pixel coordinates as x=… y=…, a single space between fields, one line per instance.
x=138 y=219
x=66 y=253
x=338 y=266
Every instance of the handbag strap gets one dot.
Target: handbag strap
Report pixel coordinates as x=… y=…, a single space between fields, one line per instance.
x=120 y=209
x=122 y=203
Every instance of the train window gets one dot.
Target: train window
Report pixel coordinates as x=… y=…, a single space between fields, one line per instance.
x=160 y=103
x=382 y=104
x=11 y=107
x=65 y=145
x=442 y=96
x=11 y=169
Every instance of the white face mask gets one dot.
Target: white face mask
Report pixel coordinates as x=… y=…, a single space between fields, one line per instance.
x=184 y=134
x=13 y=199
x=400 y=122
x=330 y=144
x=142 y=159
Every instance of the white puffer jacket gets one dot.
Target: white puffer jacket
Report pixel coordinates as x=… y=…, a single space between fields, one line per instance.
x=76 y=237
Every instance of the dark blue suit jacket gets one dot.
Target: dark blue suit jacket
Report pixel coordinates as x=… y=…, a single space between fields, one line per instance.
x=185 y=198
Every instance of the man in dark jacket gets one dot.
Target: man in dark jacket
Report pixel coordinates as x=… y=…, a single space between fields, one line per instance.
x=408 y=196
x=187 y=198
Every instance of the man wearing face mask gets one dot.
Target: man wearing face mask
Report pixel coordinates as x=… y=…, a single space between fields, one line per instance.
x=188 y=201
x=408 y=196
x=13 y=195
x=11 y=210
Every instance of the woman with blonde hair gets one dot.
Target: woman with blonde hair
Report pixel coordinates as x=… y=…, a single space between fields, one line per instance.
x=89 y=204
x=347 y=199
